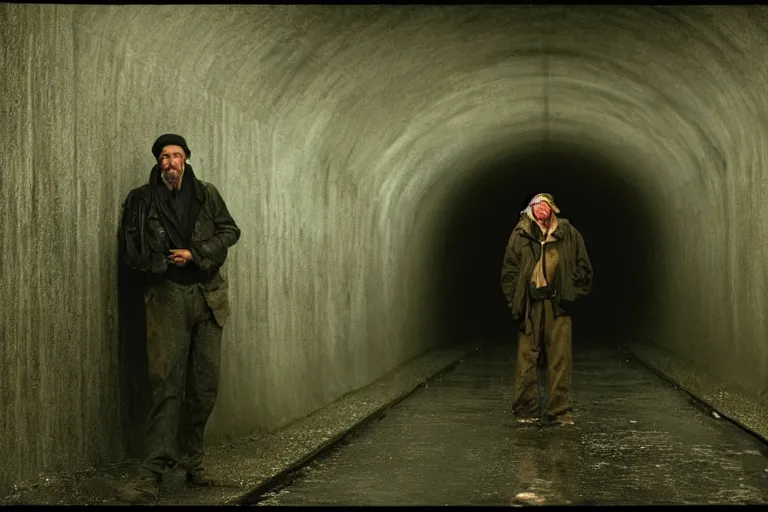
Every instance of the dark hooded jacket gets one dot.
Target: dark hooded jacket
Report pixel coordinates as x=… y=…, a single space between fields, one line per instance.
x=574 y=271
x=149 y=229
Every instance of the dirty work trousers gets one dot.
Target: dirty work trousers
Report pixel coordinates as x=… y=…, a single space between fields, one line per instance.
x=550 y=339
x=183 y=353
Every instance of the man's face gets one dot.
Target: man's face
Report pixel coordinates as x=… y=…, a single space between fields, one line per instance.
x=541 y=210
x=172 y=160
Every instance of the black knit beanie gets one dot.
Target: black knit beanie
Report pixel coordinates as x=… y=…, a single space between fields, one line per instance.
x=167 y=140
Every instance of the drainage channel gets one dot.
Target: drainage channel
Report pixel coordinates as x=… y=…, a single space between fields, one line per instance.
x=286 y=477
x=696 y=401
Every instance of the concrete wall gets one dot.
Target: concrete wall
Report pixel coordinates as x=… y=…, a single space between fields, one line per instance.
x=338 y=137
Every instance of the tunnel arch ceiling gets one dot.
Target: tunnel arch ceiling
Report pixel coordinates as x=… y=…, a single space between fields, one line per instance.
x=395 y=104
x=661 y=79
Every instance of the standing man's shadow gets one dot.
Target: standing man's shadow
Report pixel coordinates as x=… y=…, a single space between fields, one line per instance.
x=134 y=377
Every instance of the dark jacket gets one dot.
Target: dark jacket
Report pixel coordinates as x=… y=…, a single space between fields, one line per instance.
x=145 y=243
x=574 y=271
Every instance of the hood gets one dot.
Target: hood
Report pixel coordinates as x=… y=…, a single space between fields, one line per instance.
x=528 y=226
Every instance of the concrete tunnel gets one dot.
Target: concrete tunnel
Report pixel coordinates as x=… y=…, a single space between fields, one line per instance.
x=376 y=159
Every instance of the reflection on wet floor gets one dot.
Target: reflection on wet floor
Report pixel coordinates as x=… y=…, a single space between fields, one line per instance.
x=637 y=440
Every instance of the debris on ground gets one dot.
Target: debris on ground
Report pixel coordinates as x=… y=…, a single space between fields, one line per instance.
x=530 y=498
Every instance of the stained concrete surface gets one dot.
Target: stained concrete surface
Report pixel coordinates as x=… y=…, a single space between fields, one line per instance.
x=342 y=138
x=637 y=440
x=252 y=462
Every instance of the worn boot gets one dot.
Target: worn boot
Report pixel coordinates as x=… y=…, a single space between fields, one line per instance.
x=143 y=491
x=565 y=419
x=198 y=477
x=561 y=420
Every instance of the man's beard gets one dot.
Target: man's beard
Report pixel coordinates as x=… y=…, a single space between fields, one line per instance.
x=172 y=176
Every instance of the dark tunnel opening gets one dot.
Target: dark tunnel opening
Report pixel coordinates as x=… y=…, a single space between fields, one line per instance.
x=597 y=196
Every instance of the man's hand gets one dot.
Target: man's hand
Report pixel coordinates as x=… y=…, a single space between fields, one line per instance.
x=179 y=257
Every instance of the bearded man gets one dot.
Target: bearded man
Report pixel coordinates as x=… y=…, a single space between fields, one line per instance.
x=175 y=233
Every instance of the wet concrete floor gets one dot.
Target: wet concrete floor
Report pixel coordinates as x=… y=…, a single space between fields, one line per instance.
x=637 y=440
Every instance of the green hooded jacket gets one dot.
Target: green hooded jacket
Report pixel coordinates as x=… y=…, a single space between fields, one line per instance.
x=574 y=271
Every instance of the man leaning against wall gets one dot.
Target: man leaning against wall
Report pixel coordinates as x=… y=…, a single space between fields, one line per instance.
x=176 y=231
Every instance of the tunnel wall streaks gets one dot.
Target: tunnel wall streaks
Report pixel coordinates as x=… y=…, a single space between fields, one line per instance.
x=338 y=137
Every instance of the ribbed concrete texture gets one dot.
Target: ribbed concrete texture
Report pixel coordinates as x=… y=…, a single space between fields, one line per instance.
x=344 y=139
x=637 y=441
